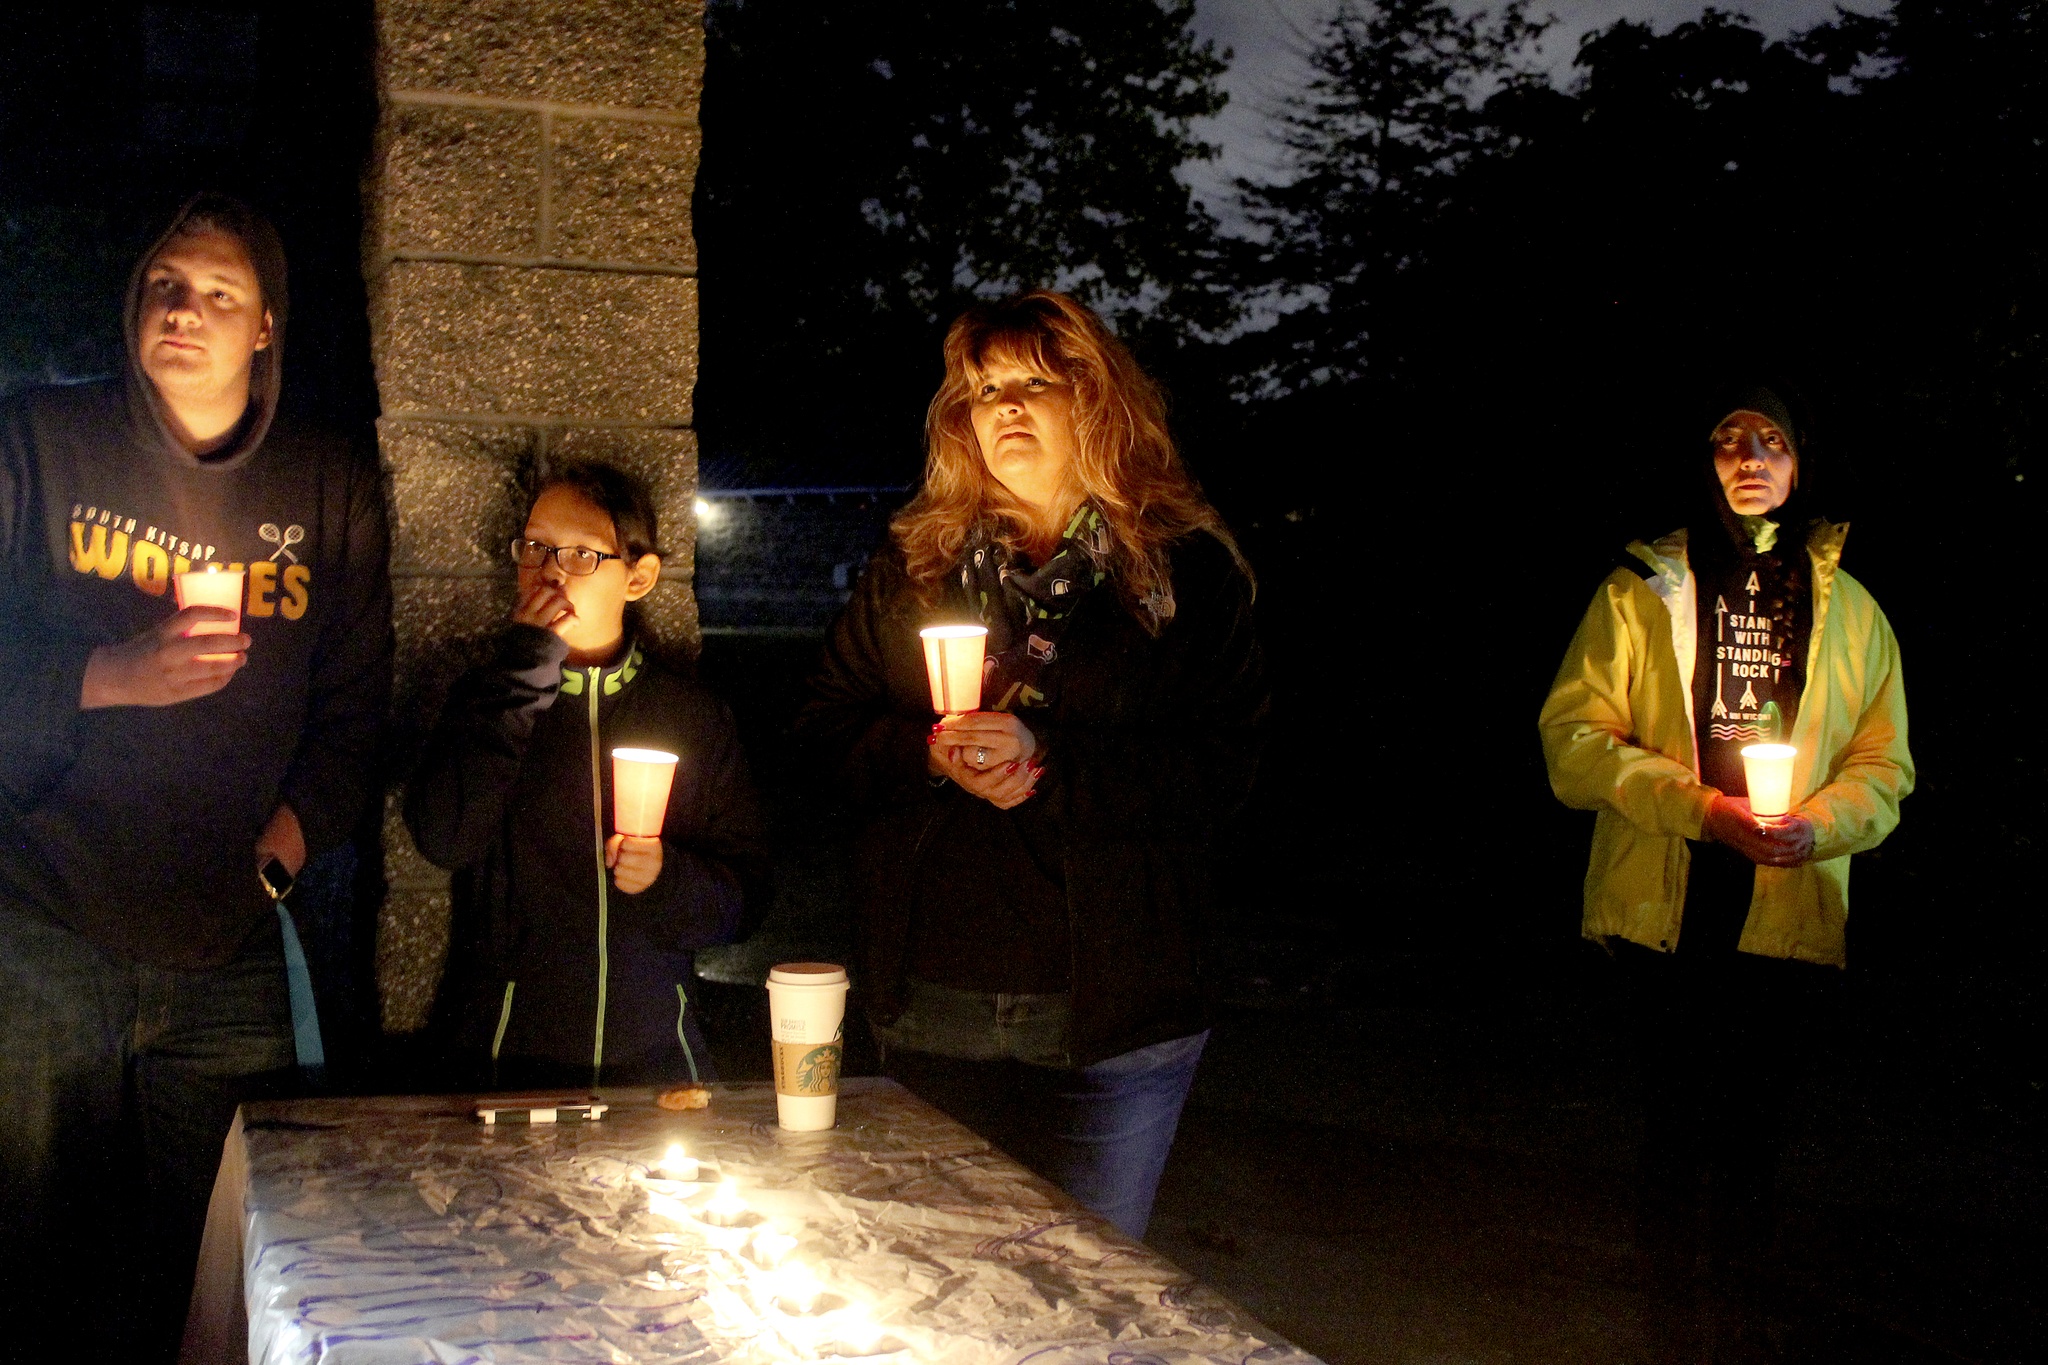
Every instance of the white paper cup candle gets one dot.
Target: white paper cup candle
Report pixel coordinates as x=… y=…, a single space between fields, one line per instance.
x=806 y=1006
x=952 y=660
x=676 y=1164
x=212 y=588
x=640 y=783
x=1768 y=770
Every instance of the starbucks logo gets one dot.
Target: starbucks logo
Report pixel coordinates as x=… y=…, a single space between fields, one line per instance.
x=817 y=1071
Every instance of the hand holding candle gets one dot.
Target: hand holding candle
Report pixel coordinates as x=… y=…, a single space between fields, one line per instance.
x=641 y=779
x=1781 y=841
x=990 y=754
x=163 y=665
x=634 y=861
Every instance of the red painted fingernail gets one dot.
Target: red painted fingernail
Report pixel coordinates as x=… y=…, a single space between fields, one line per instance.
x=1011 y=768
x=931 y=739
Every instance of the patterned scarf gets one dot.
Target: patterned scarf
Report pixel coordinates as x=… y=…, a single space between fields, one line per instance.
x=1027 y=610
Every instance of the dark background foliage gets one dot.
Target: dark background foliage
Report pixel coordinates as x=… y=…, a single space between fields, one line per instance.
x=1436 y=379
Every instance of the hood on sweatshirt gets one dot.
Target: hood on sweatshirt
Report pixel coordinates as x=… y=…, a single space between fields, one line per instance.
x=222 y=213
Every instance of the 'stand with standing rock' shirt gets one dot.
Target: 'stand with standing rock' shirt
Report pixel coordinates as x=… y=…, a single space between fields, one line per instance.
x=134 y=825
x=1754 y=616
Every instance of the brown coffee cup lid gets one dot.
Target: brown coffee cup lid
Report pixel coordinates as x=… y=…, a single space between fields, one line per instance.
x=807 y=974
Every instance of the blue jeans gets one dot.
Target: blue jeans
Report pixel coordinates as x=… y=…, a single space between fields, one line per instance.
x=1101 y=1133
x=117 y=1086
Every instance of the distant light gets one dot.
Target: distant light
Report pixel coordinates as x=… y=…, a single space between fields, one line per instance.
x=706 y=511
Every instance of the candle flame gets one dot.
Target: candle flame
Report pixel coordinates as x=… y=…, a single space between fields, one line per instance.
x=669 y=1208
x=771 y=1246
x=853 y=1327
x=727 y=1201
x=795 y=1287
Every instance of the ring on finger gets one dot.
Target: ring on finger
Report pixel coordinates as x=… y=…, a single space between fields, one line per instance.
x=980 y=756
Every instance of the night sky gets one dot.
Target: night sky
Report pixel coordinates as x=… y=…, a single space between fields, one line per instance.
x=1267 y=37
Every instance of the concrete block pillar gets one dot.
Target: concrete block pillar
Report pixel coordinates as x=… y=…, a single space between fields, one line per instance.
x=533 y=299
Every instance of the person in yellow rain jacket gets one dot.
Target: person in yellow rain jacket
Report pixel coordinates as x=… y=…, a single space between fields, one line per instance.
x=1739 y=628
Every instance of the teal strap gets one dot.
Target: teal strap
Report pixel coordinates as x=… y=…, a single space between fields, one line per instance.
x=504 y=1018
x=682 y=1008
x=305 y=1014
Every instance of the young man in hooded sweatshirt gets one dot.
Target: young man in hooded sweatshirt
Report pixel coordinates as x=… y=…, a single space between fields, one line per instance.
x=155 y=788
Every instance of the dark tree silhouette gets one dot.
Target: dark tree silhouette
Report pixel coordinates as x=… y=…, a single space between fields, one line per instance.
x=872 y=166
x=1376 y=153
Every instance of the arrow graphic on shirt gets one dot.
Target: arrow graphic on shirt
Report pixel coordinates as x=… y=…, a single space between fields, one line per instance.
x=1748 y=702
x=1720 y=610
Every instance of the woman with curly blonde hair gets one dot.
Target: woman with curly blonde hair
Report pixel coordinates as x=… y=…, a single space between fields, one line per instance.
x=1033 y=876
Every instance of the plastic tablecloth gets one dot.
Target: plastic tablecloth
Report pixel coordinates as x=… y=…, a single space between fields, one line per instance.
x=400 y=1231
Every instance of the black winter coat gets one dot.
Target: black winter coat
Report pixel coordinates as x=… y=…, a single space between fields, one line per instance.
x=1151 y=744
x=550 y=966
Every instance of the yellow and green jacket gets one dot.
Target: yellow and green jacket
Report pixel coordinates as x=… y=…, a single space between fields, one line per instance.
x=1618 y=739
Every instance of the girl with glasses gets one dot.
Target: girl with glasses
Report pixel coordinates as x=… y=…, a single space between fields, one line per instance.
x=570 y=962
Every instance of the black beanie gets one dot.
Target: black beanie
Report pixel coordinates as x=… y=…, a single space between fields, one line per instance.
x=1795 y=516
x=1766 y=400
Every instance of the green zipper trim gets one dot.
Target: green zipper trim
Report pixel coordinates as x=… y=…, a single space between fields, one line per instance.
x=603 y=880
x=682 y=1008
x=504 y=1019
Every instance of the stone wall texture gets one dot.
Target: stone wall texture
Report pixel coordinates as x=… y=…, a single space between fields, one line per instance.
x=533 y=299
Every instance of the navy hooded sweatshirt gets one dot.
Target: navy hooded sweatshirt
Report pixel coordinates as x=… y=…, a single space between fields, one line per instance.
x=136 y=825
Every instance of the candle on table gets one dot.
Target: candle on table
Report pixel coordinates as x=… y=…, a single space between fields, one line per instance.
x=212 y=587
x=676 y=1164
x=668 y=1206
x=953 y=658
x=794 y=1288
x=850 y=1331
x=770 y=1247
x=1768 y=770
x=726 y=1207
x=640 y=785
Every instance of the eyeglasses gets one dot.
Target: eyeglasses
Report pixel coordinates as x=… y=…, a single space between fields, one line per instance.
x=575 y=560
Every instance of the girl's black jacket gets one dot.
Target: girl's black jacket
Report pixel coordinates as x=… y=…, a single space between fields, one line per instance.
x=1152 y=744
x=550 y=966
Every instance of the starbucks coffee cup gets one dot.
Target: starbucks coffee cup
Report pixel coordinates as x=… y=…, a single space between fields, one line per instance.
x=806 y=1011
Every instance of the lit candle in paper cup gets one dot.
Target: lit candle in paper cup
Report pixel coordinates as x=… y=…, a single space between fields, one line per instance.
x=640 y=783
x=727 y=1209
x=952 y=659
x=212 y=587
x=794 y=1288
x=1768 y=770
x=676 y=1164
x=770 y=1247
